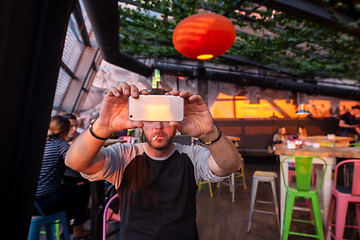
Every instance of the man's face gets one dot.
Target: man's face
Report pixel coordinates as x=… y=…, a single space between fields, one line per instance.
x=158 y=135
x=356 y=111
x=73 y=127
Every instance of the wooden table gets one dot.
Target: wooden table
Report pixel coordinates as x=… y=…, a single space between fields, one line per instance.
x=329 y=154
x=336 y=140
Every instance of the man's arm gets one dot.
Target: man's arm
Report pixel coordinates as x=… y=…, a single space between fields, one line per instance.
x=84 y=155
x=225 y=157
x=344 y=125
x=199 y=123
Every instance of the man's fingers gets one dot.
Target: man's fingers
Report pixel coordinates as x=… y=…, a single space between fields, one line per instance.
x=124 y=89
x=127 y=90
x=114 y=91
x=185 y=94
x=175 y=93
x=144 y=92
x=134 y=91
x=195 y=98
x=136 y=124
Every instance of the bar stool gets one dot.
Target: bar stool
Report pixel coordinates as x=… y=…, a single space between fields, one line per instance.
x=201 y=182
x=232 y=180
x=263 y=176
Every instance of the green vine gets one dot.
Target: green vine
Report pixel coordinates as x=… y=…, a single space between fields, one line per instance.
x=298 y=46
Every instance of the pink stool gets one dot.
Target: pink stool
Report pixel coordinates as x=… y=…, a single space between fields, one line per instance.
x=343 y=196
x=109 y=216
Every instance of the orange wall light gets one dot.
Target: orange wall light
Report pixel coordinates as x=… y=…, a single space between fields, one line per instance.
x=204 y=36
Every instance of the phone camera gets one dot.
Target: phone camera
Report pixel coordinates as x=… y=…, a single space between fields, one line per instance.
x=131 y=116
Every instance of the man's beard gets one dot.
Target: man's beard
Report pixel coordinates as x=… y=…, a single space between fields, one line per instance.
x=162 y=147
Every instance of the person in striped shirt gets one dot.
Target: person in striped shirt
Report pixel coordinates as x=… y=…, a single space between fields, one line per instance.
x=51 y=195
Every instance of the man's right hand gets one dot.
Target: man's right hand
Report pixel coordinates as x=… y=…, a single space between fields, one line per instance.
x=114 y=112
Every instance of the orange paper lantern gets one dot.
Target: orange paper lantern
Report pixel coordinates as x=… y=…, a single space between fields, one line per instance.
x=204 y=36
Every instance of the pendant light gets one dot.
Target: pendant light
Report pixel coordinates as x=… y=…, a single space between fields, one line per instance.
x=302 y=111
x=204 y=36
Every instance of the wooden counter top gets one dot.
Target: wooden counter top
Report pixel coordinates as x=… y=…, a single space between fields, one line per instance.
x=339 y=152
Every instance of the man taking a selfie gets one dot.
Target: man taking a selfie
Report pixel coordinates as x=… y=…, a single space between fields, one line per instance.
x=156 y=180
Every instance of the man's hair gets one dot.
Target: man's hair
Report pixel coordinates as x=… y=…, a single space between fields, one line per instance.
x=356 y=107
x=57 y=126
x=157 y=91
x=69 y=116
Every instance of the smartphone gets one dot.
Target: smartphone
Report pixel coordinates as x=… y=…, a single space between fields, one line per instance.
x=156 y=108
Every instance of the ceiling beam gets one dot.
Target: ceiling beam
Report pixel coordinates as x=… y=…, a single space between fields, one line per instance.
x=311 y=88
x=313 y=11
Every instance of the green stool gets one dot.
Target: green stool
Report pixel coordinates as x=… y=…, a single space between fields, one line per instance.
x=303 y=168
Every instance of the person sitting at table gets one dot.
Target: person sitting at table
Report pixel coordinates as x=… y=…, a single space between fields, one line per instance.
x=279 y=136
x=347 y=123
x=71 y=178
x=156 y=180
x=301 y=132
x=51 y=195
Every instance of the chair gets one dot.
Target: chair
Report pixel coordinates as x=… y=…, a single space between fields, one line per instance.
x=342 y=196
x=232 y=178
x=263 y=176
x=238 y=174
x=109 y=215
x=49 y=222
x=303 y=168
x=201 y=182
x=354 y=145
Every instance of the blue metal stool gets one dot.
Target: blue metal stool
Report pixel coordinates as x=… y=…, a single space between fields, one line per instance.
x=49 y=222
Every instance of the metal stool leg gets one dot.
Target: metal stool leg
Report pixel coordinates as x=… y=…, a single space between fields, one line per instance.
x=232 y=187
x=252 y=201
x=276 y=202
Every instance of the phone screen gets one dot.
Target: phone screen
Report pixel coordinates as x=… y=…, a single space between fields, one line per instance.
x=155 y=108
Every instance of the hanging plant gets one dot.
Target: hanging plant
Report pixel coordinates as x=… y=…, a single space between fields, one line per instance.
x=283 y=41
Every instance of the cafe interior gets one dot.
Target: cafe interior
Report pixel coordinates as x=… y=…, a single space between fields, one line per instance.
x=259 y=65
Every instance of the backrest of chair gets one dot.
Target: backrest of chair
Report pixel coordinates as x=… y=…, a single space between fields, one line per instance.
x=356 y=178
x=303 y=168
x=354 y=145
x=107 y=214
x=349 y=168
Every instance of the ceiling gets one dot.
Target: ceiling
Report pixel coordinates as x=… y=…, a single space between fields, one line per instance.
x=303 y=41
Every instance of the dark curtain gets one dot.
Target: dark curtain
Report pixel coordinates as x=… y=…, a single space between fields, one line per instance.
x=32 y=35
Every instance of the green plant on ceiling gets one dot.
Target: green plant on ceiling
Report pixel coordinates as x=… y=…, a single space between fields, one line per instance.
x=282 y=41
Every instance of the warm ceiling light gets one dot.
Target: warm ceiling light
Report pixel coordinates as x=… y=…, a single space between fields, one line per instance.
x=205 y=56
x=302 y=111
x=204 y=36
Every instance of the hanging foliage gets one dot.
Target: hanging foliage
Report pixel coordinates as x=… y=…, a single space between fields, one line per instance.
x=278 y=39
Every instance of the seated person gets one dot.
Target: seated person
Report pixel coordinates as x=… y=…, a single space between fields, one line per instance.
x=280 y=136
x=51 y=195
x=301 y=132
x=347 y=123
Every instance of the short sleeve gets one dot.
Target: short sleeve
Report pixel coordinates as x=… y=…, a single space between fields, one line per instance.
x=200 y=157
x=117 y=157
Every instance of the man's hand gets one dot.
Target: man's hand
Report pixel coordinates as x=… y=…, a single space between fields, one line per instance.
x=114 y=110
x=198 y=121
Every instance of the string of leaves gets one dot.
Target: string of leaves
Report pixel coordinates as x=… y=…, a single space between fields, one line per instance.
x=283 y=41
